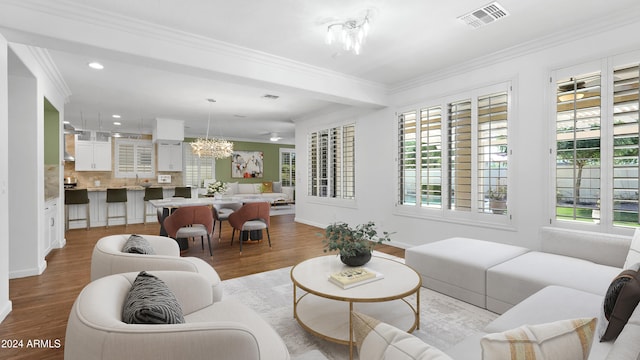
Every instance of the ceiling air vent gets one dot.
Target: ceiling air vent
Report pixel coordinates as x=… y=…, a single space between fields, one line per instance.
x=270 y=97
x=485 y=15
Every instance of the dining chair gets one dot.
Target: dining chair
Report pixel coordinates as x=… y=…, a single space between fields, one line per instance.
x=221 y=213
x=190 y=222
x=251 y=216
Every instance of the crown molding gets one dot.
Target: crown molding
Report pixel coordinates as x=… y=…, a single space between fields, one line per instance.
x=50 y=69
x=73 y=13
x=549 y=41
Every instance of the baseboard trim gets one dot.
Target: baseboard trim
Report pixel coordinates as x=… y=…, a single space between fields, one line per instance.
x=5 y=310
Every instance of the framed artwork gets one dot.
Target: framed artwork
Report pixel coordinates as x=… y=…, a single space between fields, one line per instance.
x=247 y=164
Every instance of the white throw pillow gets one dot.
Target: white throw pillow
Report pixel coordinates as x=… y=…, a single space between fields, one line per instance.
x=560 y=340
x=378 y=340
x=232 y=188
x=246 y=188
x=633 y=257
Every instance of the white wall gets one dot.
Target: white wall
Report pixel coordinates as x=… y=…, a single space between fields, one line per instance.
x=29 y=84
x=531 y=191
x=5 y=303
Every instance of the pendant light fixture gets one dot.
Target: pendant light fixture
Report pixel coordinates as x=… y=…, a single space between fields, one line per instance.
x=217 y=148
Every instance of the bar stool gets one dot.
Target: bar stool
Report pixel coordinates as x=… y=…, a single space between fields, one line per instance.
x=118 y=195
x=151 y=193
x=182 y=191
x=76 y=197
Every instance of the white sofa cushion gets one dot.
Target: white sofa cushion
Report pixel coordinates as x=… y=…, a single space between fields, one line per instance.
x=247 y=189
x=378 y=340
x=232 y=188
x=600 y=248
x=457 y=266
x=633 y=256
x=560 y=340
x=514 y=280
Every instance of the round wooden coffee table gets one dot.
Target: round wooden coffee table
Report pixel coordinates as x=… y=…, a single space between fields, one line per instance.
x=323 y=308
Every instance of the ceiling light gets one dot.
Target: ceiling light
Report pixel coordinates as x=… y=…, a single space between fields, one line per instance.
x=274 y=137
x=96 y=65
x=116 y=116
x=117 y=123
x=217 y=148
x=351 y=34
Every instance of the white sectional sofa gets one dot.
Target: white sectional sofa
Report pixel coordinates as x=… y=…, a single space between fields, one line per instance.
x=260 y=191
x=566 y=279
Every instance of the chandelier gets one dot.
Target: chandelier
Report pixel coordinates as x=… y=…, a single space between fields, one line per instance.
x=217 y=148
x=351 y=33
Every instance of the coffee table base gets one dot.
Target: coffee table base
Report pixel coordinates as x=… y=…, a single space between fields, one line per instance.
x=329 y=319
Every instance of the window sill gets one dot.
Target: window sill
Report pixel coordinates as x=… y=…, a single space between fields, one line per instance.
x=467 y=218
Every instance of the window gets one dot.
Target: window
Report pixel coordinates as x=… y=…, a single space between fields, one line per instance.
x=288 y=167
x=134 y=158
x=332 y=162
x=578 y=146
x=444 y=155
x=597 y=143
x=197 y=169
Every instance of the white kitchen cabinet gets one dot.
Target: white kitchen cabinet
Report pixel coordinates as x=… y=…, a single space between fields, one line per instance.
x=93 y=151
x=169 y=156
x=50 y=226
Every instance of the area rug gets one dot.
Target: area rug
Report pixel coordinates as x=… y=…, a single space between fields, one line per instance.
x=444 y=321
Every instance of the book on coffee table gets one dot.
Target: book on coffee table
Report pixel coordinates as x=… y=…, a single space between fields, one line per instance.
x=351 y=277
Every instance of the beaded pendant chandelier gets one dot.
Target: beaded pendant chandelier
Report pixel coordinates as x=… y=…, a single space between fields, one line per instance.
x=217 y=148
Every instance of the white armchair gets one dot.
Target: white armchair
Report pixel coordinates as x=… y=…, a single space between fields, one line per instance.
x=108 y=259
x=212 y=330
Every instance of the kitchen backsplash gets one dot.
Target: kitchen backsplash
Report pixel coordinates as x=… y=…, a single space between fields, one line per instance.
x=87 y=179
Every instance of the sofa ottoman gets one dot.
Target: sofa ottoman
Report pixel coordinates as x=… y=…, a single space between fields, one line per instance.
x=457 y=266
x=514 y=280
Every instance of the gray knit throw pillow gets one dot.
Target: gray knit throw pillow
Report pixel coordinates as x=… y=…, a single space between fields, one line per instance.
x=150 y=301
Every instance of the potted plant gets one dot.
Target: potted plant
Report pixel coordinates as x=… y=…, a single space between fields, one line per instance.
x=498 y=199
x=216 y=188
x=353 y=243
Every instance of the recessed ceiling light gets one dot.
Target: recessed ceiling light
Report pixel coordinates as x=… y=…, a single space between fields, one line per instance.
x=115 y=116
x=117 y=123
x=96 y=65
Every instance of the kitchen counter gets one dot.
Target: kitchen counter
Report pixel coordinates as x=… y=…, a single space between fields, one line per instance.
x=132 y=187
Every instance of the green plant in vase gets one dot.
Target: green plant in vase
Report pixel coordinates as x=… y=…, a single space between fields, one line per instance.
x=354 y=244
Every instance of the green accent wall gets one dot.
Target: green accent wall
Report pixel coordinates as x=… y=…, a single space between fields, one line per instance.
x=51 y=134
x=271 y=158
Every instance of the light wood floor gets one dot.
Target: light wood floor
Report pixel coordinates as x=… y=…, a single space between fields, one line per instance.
x=41 y=304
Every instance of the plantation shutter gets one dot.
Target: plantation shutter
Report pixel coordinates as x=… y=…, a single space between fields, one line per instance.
x=625 y=145
x=460 y=155
x=492 y=152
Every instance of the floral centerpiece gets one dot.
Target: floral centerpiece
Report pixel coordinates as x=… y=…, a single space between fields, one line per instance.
x=216 y=188
x=354 y=243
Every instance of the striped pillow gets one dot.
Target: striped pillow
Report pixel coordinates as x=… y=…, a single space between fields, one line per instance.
x=150 y=301
x=560 y=340
x=378 y=340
